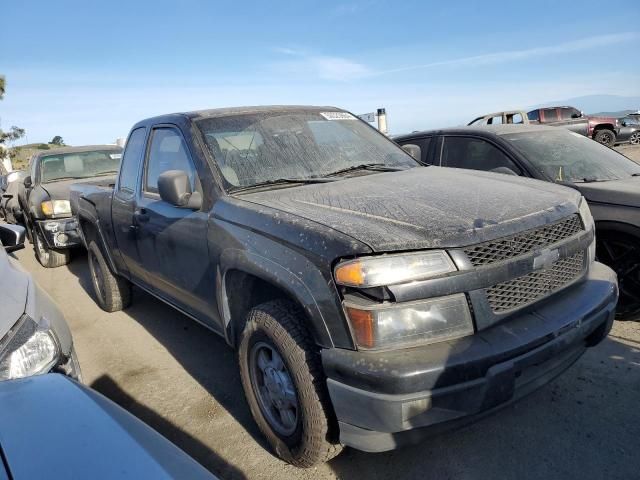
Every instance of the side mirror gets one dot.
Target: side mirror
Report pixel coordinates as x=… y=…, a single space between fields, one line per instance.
x=414 y=150
x=576 y=115
x=12 y=237
x=27 y=182
x=504 y=170
x=174 y=188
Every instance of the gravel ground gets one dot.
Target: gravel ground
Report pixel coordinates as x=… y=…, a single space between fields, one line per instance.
x=183 y=381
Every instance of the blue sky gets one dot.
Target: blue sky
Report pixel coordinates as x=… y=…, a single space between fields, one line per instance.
x=88 y=70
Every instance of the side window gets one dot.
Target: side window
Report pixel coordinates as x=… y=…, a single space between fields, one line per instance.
x=131 y=160
x=534 y=116
x=167 y=151
x=550 y=114
x=515 y=118
x=423 y=143
x=474 y=154
x=568 y=113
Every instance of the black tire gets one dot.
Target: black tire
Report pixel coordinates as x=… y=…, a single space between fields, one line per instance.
x=277 y=325
x=605 y=136
x=112 y=292
x=621 y=252
x=49 y=257
x=634 y=139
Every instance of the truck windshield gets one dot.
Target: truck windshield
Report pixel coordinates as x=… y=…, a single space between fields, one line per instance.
x=257 y=148
x=79 y=165
x=567 y=156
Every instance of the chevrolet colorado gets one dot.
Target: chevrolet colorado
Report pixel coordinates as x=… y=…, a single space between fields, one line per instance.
x=371 y=300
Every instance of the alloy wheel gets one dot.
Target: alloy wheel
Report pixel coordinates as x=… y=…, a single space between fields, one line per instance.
x=622 y=254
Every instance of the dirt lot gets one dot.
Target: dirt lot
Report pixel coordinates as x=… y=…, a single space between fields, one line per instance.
x=182 y=380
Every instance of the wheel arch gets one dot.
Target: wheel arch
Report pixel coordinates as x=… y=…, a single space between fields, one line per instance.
x=248 y=279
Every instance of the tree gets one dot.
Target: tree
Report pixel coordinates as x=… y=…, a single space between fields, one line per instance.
x=57 y=140
x=12 y=135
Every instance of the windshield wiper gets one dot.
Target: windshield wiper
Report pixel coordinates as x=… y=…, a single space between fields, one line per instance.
x=106 y=172
x=63 y=178
x=592 y=180
x=281 y=181
x=376 y=167
x=635 y=174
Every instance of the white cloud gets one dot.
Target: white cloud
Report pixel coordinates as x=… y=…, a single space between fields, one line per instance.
x=516 y=55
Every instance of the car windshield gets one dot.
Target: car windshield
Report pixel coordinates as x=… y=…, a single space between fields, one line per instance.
x=258 y=148
x=79 y=165
x=565 y=156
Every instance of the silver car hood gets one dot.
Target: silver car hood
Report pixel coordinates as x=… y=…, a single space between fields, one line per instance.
x=14 y=288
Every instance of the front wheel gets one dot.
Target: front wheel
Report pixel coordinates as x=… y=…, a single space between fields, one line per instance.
x=283 y=382
x=605 y=137
x=49 y=257
x=113 y=292
x=634 y=139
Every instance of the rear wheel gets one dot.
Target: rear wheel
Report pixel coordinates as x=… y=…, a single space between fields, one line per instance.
x=49 y=257
x=605 y=137
x=621 y=252
x=113 y=292
x=284 y=385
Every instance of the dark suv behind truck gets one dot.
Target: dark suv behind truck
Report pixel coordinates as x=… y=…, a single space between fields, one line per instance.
x=371 y=299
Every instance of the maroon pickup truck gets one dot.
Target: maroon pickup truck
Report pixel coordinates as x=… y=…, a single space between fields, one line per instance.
x=601 y=129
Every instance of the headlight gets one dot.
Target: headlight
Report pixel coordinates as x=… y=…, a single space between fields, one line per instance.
x=391 y=269
x=589 y=224
x=28 y=349
x=405 y=324
x=56 y=207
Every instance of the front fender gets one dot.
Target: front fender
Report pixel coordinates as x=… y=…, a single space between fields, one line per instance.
x=302 y=281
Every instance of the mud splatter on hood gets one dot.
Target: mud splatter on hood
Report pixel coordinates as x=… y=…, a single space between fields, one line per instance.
x=425 y=207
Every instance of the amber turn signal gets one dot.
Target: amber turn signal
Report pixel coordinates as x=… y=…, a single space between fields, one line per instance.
x=362 y=325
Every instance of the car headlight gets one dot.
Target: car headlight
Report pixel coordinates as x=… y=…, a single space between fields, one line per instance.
x=27 y=349
x=56 y=207
x=392 y=269
x=394 y=325
x=589 y=224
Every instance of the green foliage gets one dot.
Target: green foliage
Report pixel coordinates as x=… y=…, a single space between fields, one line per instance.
x=2 y=87
x=57 y=140
x=43 y=146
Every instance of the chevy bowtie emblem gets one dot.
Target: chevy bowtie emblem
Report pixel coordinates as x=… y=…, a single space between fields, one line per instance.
x=545 y=259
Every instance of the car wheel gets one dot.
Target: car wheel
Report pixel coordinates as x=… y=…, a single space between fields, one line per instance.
x=49 y=257
x=284 y=385
x=634 y=139
x=605 y=137
x=621 y=252
x=113 y=292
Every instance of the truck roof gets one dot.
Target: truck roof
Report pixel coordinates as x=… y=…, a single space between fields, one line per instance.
x=83 y=148
x=222 y=112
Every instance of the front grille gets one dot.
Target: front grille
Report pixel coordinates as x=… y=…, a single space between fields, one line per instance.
x=522 y=243
x=535 y=285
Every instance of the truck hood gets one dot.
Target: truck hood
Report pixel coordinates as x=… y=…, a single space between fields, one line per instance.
x=617 y=192
x=425 y=207
x=61 y=190
x=14 y=289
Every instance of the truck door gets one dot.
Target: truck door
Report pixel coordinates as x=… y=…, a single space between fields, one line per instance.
x=172 y=241
x=123 y=205
x=573 y=119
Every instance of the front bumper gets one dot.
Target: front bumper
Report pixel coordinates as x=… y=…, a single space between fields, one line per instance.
x=60 y=233
x=385 y=399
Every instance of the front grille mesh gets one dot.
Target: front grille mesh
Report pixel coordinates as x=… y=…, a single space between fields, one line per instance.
x=528 y=288
x=522 y=243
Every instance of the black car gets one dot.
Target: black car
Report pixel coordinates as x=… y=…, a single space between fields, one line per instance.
x=629 y=130
x=10 y=209
x=44 y=196
x=607 y=179
x=369 y=298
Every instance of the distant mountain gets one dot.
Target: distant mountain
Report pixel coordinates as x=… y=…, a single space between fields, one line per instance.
x=598 y=103
x=618 y=114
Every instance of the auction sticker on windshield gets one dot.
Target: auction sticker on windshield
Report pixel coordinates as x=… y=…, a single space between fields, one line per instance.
x=337 y=116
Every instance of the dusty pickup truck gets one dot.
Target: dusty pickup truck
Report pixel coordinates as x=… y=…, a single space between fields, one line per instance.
x=371 y=300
